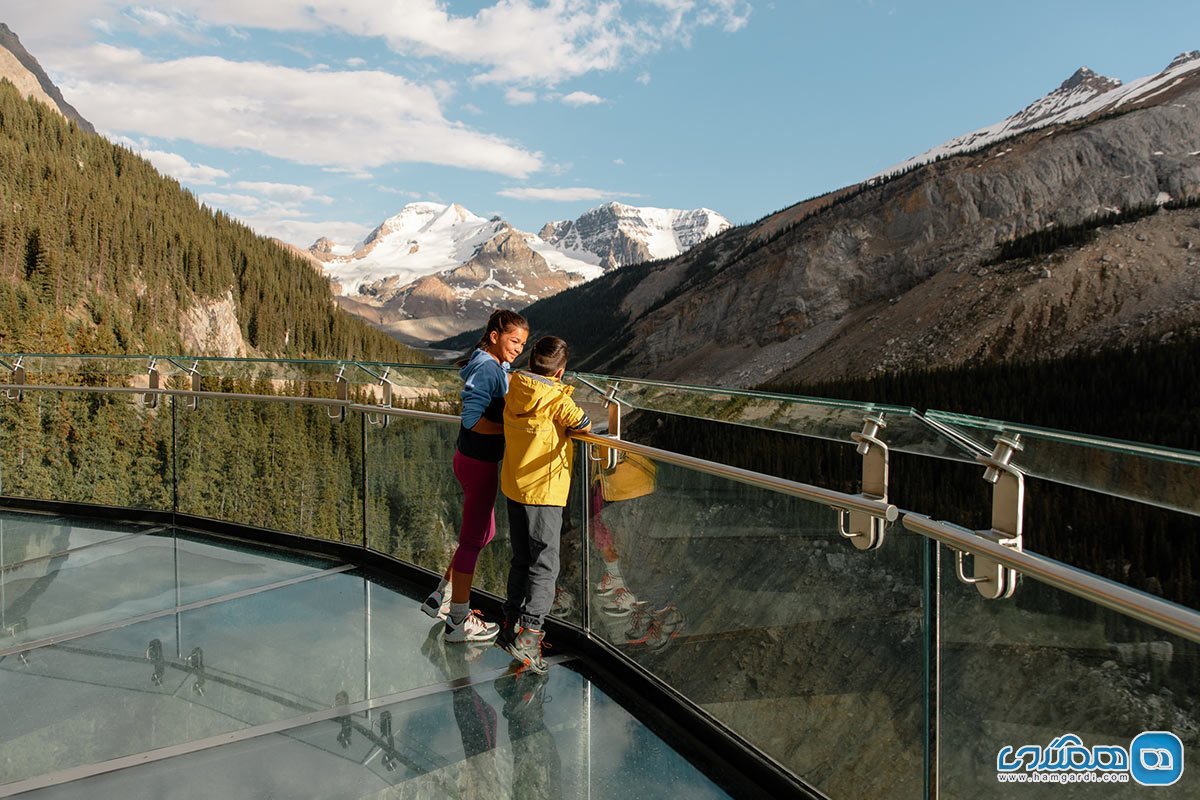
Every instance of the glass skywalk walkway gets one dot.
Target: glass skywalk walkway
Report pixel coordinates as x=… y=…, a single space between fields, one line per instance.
x=209 y=573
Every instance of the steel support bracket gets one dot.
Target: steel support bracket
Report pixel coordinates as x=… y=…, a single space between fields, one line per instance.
x=382 y=420
x=18 y=378
x=607 y=456
x=865 y=531
x=154 y=384
x=992 y=579
x=343 y=394
x=193 y=402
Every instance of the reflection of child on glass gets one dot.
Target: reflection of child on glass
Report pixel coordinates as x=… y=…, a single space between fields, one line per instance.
x=539 y=414
x=476 y=466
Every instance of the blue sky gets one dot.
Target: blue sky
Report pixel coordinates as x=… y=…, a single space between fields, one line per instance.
x=325 y=117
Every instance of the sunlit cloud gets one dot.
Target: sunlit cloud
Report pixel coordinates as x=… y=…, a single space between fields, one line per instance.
x=565 y=195
x=180 y=168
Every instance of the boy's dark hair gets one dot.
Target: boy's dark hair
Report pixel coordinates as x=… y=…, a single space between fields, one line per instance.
x=548 y=356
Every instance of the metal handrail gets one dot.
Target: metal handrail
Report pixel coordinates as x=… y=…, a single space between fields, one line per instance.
x=1153 y=611
x=1145 y=608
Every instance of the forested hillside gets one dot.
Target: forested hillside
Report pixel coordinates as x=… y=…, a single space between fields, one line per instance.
x=101 y=253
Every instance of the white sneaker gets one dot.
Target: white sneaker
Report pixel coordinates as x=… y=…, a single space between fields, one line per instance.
x=436 y=605
x=471 y=629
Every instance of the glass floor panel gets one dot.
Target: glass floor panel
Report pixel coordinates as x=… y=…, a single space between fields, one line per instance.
x=267 y=668
x=29 y=536
x=512 y=736
x=128 y=577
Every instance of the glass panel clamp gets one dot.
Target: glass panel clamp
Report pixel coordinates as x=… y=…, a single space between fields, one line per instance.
x=992 y=579
x=343 y=394
x=866 y=531
x=385 y=401
x=18 y=379
x=154 y=383
x=194 y=371
x=608 y=457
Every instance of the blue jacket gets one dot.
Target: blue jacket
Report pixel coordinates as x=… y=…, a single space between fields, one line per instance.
x=485 y=382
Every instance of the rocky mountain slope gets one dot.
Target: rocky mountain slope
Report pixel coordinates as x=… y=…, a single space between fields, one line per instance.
x=24 y=72
x=435 y=270
x=891 y=274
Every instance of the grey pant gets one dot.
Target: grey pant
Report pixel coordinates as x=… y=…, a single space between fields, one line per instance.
x=534 y=535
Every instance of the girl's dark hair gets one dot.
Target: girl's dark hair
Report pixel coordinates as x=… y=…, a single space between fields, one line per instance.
x=500 y=321
x=549 y=355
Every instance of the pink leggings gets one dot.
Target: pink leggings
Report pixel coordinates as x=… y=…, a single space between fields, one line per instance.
x=479 y=480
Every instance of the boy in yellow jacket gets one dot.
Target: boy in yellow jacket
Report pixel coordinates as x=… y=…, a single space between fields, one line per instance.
x=535 y=477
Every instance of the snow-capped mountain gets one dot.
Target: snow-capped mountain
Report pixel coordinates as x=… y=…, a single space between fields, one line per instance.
x=619 y=234
x=434 y=270
x=1082 y=95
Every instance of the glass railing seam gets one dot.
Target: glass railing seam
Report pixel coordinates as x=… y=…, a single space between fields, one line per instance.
x=280 y=726
x=152 y=615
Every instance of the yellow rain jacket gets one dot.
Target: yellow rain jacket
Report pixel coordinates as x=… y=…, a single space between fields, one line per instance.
x=538 y=414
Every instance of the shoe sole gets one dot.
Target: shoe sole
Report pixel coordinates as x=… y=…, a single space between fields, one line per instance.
x=525 y=661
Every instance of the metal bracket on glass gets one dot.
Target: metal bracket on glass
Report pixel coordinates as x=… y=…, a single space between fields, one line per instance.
x=992 y=579
x=193 y=402
x=18 y=378
x=382 y=420
x=195 y=662
x=153 y=384
x=154 y=654
x=865 y=531
x=390 y=761
x=343 y=394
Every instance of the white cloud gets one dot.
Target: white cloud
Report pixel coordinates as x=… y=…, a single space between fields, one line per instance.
x=303 y=233
x=357 y=174
x=511 y=41
x=179 y=167
x=353 y=120
x=644 y=79
x=284 y=192
x=471 y=108
x=620 y=162
x=355 y=61
x=402 y=192
x=519 y=97
x=578 y=99
x=565 y=194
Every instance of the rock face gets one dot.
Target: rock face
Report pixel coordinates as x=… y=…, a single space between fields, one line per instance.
x=892 y=275
x=24 y=71
x=211 y=328
x=621 y=234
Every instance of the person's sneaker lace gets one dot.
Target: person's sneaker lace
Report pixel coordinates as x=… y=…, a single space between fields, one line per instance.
x=473 y=628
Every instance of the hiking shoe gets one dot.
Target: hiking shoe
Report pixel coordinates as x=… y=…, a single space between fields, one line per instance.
x=665 y=625
x=639 y=623
x=508 y=633
x=564 y=602
x=523 y=691
x=437 y=605
x=473 y=628
x=608 y=584
x=620 y=604
x=526 y=647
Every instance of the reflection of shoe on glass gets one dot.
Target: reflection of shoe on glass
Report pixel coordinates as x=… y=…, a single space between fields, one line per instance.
x=620 y=604
x=526 y=647
x=608 y=584
x=436 y=605
x=523 y=691
x=564 y=602
x=639 y=623
x=471 y=629
x=665 y=625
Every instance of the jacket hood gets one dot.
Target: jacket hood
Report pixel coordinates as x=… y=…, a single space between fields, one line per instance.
x=528 y=392
x=477 y=358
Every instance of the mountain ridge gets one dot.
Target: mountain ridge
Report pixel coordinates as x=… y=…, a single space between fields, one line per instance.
x=46 y=91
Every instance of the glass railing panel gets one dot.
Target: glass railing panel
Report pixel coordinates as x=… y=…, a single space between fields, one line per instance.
x=85 y=447
x=282 y=465
x=510 y=737
x=35 y=536
x=221 y=668
x=1161 y=476
x=750 y=604
x=122 y=579
x=1026 y=671
x=414 y=502
x=821 y=418
x=432 y=388
x=75 y=370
